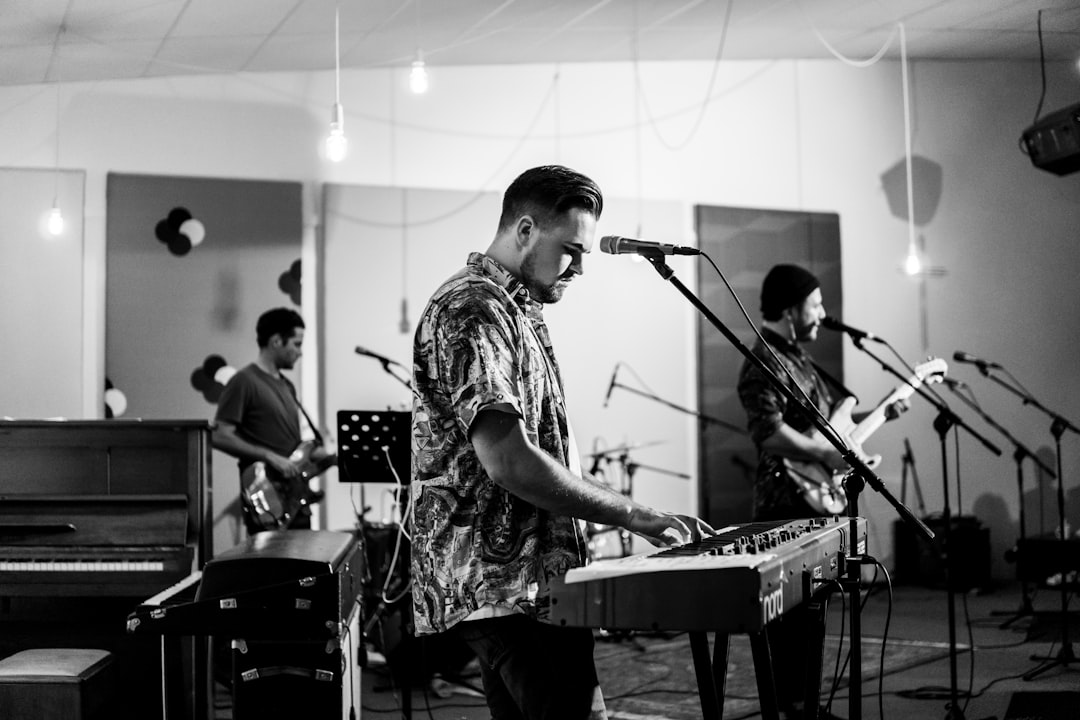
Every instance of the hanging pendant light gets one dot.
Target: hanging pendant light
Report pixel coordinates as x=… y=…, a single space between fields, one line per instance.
x=418 y=77
x=337 y=145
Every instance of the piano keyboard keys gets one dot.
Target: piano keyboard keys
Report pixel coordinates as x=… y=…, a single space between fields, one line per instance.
x=65 y=566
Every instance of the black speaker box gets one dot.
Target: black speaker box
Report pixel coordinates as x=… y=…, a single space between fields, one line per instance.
x=1053 y=142
x=921 y=562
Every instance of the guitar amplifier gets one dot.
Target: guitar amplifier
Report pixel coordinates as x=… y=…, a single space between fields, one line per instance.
x=920 y=562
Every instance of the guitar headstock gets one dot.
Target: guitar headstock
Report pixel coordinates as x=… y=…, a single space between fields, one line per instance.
x=932 y=370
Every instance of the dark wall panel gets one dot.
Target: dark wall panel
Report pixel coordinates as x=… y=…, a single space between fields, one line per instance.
x=745 y=243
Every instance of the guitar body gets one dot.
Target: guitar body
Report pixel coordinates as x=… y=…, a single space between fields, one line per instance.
x=259 y=492
x=820 y=486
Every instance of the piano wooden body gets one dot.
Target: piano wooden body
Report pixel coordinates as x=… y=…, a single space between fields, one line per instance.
x=108 y=508
x=94 y=516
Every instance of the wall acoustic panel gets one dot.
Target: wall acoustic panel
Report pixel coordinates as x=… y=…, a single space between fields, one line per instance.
x=191 y=264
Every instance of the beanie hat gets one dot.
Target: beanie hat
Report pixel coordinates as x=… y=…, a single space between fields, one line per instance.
x=785 y=286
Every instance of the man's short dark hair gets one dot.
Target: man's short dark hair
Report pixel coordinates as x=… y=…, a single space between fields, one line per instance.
x=548 y=191
x=279 y=321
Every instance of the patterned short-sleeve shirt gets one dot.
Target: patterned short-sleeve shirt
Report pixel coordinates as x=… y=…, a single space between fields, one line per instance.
x=482 y=345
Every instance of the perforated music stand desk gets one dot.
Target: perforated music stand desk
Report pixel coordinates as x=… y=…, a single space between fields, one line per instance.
x=362 y=437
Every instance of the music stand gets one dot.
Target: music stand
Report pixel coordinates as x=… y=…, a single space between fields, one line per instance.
x=373 y=446
x=371 y=442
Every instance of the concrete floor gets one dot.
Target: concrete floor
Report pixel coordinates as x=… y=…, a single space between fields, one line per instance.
x=993 y=673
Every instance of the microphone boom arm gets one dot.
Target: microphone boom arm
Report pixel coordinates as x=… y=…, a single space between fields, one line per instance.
x=1021 y=450
x=680 y=408
x=1028 y=399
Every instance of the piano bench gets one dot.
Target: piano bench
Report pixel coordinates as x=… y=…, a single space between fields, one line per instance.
x=57 y=684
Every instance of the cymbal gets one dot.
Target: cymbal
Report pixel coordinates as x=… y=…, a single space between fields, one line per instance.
x=624 y=448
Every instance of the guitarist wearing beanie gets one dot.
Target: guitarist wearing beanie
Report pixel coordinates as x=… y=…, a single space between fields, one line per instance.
x=792 y=310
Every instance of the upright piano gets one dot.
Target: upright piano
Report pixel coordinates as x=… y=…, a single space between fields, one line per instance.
x=94 y=516
x=107 y=508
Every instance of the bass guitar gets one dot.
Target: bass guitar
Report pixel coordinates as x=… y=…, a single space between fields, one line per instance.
x=821 y=486
x=260 y=496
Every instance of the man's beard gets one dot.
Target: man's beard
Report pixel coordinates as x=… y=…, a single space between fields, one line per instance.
x=546 y=294
x=806 y=333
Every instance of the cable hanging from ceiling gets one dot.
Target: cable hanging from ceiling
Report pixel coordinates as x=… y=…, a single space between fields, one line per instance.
x=54 y=223
x=701 y=106
x=913 y=264
x=482 y=190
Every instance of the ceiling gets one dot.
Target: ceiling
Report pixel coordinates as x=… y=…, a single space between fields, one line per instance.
x=78 y=40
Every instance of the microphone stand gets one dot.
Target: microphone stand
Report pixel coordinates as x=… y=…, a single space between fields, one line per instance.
x=386 y=363
x=859 y=475
x=1058 y=426
x=944 y=422
x=1020 y=452
x=688 y=411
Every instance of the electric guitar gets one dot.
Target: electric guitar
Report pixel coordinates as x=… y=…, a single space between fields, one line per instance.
x=820 y=485
x=267 y=507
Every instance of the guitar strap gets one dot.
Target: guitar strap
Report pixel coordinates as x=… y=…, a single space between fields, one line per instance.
x=836 y=384
x=314 y=429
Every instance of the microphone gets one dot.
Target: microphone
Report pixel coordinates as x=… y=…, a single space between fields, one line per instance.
x=611 y=385
x=833 y=324
x=960 y=356
x=381 y=358
x=615 y=245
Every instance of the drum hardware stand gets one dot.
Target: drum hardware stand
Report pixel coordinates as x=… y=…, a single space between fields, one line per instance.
x=859 y=468
x=1058 y=426
x=907 y=462
x=1020 y=453
x=944 y=422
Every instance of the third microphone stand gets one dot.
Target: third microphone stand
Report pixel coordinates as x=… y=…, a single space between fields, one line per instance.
x=946 y=420
x=859 y=474
x=1058 y=426
x=1020 y=453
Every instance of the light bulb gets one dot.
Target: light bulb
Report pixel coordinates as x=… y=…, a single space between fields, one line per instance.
x=55 y=223
x=912 y=263
x=337 y=145
x=418 y=77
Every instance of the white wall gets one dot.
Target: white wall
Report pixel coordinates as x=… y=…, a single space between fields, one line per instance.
x=792 y=135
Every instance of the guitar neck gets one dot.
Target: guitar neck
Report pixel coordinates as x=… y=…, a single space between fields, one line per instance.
x=925 y=372
x=869 y=424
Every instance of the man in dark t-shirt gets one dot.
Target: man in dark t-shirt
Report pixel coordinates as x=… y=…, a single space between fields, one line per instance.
x=259 y=418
